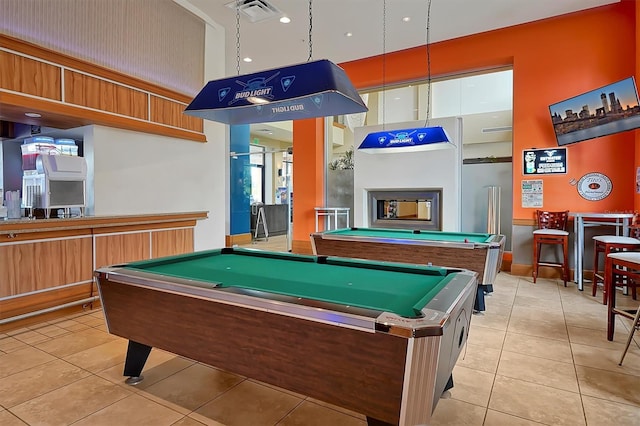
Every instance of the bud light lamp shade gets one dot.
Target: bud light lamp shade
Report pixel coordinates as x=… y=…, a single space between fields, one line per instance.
x=406 y=140
x=308 y=90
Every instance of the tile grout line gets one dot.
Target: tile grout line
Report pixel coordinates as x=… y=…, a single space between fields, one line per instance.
x=495 y=375
x=575 y=369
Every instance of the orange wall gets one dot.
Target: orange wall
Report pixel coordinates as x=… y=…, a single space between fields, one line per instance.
x=636 y=203
x=552 y=60
x=308 y=175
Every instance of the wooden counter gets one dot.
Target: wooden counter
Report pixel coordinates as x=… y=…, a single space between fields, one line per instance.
x=48 y=263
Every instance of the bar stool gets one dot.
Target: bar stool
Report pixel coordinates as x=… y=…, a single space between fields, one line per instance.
x=608 y=244
x=552 y=229
x=621 y=265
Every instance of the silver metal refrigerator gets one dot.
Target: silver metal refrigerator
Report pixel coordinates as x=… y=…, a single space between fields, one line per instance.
x=478 y=181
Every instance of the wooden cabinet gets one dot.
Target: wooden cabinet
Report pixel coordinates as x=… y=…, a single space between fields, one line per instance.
x=48 y=264
x=69 y=92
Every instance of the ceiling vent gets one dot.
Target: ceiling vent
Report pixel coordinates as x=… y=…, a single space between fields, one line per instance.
x=255 y=10
x=497 y=129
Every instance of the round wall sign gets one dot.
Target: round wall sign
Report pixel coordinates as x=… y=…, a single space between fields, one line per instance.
x=594 y=186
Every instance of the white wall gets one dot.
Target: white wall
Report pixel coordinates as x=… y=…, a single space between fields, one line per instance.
x=411 y=170
x=155 y=40
x=491 y=149
x=136 y=173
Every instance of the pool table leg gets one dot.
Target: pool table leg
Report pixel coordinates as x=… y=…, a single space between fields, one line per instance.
x=137 y=355
x=479 y=305
x=449 y=384
x=488 y=288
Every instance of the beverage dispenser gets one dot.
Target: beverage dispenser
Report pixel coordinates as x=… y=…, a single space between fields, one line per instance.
x=59 y=182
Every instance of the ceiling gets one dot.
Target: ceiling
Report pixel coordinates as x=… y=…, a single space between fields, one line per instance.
x=272 y=44
x=377 y=27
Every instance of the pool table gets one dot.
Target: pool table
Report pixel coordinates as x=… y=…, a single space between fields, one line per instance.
x=377 y=338
x=477 y=252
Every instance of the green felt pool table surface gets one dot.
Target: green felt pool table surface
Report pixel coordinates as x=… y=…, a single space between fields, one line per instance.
x=408 y=234
x=383 y=286
x=375 y=337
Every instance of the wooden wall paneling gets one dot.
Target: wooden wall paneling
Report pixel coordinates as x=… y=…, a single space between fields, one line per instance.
x=52 y=254
x=44 y=235
x=144 y=227
x=171 y=242
x=111 y=249
x=39 y=229
x=37 y=301
x=29 y=76
x=165 y=111
x=67 y=61
x=68 y=116
x=239 y=239
x=27 y=267
x=116 y=94
x=85 y=90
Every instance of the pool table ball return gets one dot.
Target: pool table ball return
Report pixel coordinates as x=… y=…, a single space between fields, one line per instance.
x=378 y=338
x=478 y=252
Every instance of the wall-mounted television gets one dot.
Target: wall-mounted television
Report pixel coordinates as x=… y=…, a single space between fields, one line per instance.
x=609 y=109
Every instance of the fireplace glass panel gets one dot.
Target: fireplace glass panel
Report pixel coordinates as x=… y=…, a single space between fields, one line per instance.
x=405 y=209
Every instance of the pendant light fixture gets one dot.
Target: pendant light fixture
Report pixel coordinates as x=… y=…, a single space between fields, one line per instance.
x=414 y=139
x=308 y=90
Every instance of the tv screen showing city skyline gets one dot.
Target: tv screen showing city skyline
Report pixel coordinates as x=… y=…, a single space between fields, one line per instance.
x=609 y=109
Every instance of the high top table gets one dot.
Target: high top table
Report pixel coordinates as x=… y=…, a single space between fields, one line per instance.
x=585 y=220
x=332 y=212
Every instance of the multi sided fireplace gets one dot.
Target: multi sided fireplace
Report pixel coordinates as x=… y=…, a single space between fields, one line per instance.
x=405 y=208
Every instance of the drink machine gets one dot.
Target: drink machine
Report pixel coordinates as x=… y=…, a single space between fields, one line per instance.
x=58 y=182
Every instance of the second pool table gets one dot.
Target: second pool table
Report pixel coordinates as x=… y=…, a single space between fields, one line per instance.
x=377 y=338
x=478 y=252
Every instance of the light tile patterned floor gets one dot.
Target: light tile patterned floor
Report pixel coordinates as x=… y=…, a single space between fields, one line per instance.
x=539 y=355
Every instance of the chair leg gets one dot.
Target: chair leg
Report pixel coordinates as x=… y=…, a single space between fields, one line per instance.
x=565 y=260
x=605 y=288
x=611 y=298
x=594 y=288
x=536 y=258
x=634 y=326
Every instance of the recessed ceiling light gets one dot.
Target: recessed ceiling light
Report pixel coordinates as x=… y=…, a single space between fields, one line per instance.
x=32 y=114
x=285 y=19
x=247 y=59
x=348 y=34
x=406 y=19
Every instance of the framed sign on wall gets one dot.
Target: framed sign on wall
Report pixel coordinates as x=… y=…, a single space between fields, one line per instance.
x=544 y=161
x=594 y=186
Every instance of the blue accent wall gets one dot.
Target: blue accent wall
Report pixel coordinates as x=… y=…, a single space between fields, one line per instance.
x=240 y=181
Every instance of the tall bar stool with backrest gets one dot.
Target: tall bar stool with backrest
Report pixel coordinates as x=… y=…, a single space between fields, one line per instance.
x=621 y=266
x=607 y=244
x=552 y=229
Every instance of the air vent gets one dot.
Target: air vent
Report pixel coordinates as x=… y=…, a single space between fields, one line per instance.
x=255 y=10
x=497 y=129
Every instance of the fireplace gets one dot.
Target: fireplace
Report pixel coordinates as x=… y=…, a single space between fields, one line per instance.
x=405 y=208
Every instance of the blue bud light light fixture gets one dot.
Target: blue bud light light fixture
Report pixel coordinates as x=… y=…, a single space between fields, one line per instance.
x=308 y=90
x=406 y=140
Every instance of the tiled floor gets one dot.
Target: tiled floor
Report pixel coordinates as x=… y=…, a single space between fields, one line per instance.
x=539 y=355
